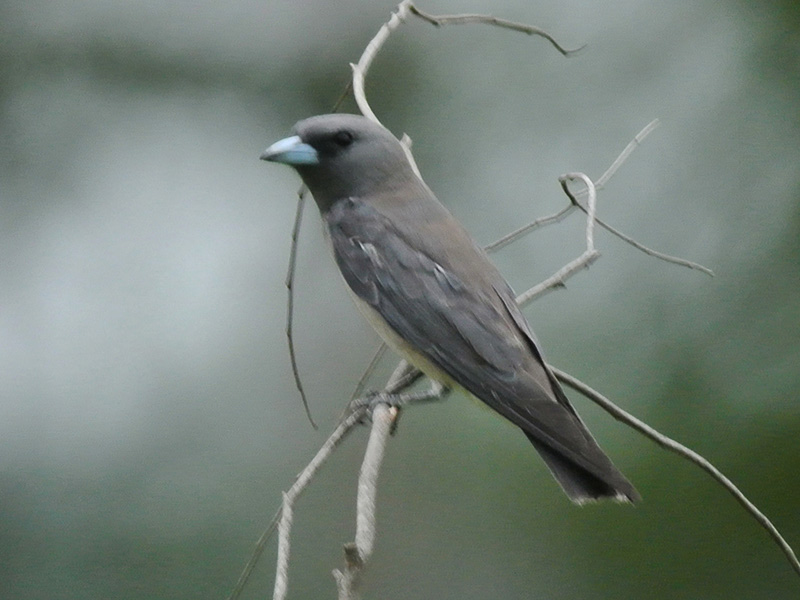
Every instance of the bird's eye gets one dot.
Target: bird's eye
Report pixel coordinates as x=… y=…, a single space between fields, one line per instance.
x=343 y=138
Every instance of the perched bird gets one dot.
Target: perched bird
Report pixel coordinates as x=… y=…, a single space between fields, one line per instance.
x=434 y=296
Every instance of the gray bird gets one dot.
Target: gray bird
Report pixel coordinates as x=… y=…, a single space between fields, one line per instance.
x=434 y=296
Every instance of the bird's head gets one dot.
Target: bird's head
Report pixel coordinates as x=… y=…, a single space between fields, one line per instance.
x=343 y=156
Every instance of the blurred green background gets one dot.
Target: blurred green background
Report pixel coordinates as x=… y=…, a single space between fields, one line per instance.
x=149 y=419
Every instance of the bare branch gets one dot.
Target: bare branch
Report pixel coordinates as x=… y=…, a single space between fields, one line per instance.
x=358 y=553
x=681 y=450
x=623 y=156
x=442 y=20
x=525 y=229
x=649 y=251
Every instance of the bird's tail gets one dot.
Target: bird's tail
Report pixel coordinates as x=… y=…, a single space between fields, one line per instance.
x=581 y=485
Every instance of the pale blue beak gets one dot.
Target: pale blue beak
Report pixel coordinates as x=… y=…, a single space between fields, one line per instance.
x=291 y=151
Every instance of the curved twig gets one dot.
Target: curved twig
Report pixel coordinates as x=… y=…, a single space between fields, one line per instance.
x=290 y=272
x=649 y=251
x=298 y=219
x=681 y=450
x=442 y=20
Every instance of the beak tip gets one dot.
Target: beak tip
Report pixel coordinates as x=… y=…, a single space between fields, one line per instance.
x=291 y=151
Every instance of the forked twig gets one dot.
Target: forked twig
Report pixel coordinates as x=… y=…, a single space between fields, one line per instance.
x=589 y=255
x=599 y=184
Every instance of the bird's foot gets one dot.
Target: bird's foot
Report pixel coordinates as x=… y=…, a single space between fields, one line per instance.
x=398 y=401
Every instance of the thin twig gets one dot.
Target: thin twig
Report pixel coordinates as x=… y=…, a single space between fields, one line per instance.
x=649 y=251
x=254 y=557
x=623 y=156
x=442 y=20
x=298 y=219
x=681 y=450
x=362 y=381
x=526 y=229
x=360 y=69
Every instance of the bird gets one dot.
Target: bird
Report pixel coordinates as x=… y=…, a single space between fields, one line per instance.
x=433 y=295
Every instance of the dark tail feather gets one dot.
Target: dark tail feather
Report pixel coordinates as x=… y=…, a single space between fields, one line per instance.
x=582 y=486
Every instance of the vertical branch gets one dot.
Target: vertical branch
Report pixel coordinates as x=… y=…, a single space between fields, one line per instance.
x=284 y=548
x=359 y=552
x=382 y=419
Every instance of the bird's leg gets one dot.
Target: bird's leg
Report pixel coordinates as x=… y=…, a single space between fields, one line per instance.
x=437 y=391
x=370 y=400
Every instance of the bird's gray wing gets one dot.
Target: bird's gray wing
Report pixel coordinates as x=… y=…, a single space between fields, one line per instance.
x=465 y=333
x=431 y=308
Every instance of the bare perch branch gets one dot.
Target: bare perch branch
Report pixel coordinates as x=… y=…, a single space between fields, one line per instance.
x=382 y=419
x=681 y=450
